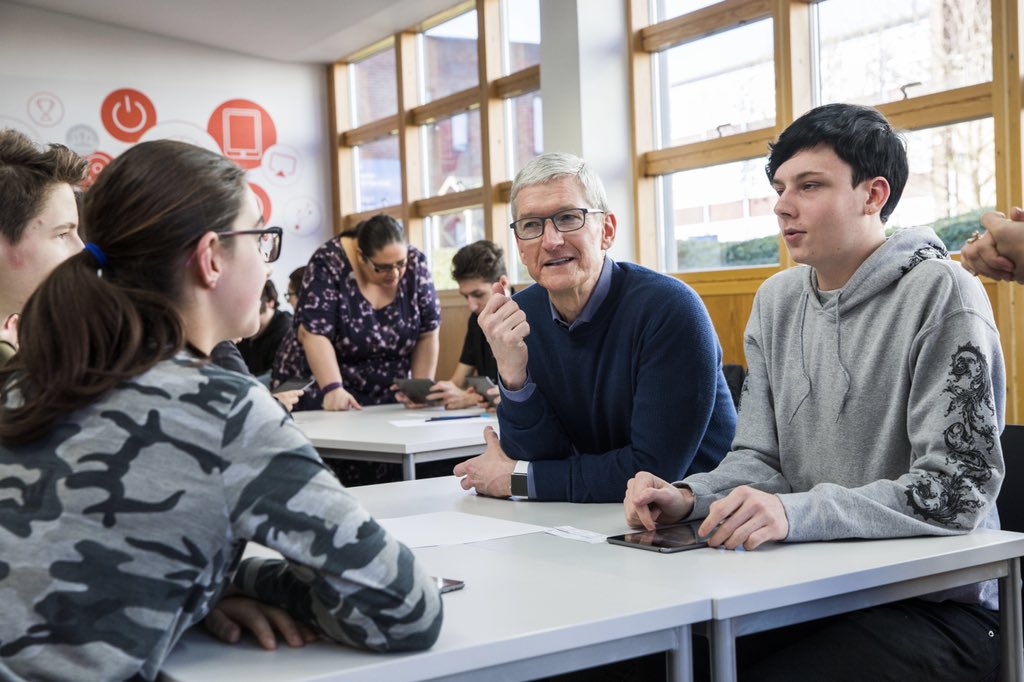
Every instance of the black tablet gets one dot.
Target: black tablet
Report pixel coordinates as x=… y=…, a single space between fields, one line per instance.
x=675 y=538
x=416 y=389
x=297 y=384
x=481 y=385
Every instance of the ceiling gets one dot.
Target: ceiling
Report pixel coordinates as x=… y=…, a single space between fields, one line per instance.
x=296 y=31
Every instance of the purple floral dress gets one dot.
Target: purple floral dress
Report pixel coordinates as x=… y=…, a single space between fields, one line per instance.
x=373 y=346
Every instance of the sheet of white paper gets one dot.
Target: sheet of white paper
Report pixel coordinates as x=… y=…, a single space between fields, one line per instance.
x=453 y=528
x=572 y=533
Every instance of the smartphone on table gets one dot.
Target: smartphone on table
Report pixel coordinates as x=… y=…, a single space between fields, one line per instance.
x=667 y=539
x=445 y=585
x=417 y=389
x=481 y=385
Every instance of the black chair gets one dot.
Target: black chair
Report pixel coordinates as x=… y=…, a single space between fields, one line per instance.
x=1011 y=497
x=734 y=376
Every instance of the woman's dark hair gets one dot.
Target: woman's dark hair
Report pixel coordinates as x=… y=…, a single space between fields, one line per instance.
x=861 y=136
x=480 y=260
x=87 y=329
x=373 y=234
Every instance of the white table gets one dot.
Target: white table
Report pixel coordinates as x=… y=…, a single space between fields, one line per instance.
x=518 y=618
x=777 y=585
x=369 y=435
x=538 y=605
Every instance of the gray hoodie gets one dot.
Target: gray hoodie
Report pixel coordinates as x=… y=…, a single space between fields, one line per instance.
x=873 y=411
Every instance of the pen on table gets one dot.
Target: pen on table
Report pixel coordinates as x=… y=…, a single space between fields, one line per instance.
x=445 y=419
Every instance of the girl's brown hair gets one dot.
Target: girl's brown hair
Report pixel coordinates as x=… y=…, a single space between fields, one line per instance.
x=87 y=328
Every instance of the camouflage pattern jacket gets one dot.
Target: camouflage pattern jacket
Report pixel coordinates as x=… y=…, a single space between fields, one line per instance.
x=122 y=527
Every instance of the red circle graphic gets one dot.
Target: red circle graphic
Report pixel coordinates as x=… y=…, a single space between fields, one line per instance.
x=244 y=130
x=127 y=114
x=97 y=162
x=263 y=199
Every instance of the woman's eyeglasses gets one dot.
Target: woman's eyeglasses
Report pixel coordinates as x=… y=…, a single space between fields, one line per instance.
x=270 y=241
x=381 y=268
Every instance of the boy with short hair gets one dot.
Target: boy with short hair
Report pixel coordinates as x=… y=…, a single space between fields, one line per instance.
x=872 y=409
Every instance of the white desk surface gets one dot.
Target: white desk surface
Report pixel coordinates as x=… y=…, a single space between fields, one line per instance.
x=518 y=616
x=371 y=430
x=774 y=575
x=535 y=595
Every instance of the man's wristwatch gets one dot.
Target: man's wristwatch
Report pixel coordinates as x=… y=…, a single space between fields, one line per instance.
x=521 y=479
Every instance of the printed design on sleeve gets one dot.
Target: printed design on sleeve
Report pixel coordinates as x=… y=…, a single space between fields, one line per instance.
x=930 y=251
x=969 y=442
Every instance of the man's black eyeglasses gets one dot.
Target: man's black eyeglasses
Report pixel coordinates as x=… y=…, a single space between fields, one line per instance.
x=569 y=220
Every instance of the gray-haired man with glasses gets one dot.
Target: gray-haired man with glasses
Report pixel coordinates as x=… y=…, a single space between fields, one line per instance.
x=606 y=368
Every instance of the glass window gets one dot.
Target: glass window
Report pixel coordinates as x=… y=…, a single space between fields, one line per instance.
x=453 y=158
x=448 y=57
x=669 y=9
x=719 y=217
x=447 y=233
x=522 y=34
x=525 y=129
x=378 y=174
x=374 y=88
x=718 y=85
x=952 y=180
x=874 y=51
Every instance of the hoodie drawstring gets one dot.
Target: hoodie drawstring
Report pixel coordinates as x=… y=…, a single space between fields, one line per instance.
x=839 y=355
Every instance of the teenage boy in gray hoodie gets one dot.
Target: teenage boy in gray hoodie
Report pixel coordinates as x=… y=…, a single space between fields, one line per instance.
x=872 y=409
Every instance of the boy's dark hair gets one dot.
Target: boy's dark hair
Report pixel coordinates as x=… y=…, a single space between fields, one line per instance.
x=861 y=136
x=269 y=295
x=479 y=260
x=295 y=279
x=28 y=173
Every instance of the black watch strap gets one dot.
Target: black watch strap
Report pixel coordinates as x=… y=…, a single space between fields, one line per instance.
x=521 y=479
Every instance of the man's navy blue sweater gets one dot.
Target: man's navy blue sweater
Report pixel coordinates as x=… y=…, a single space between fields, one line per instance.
x=638 y=388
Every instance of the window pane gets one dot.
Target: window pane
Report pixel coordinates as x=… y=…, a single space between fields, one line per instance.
x=448 y=52
x=453 y=157
x=449 y=232
x=522 y=34
x=952 y=180
x=526 y=131
x=719 y=217
x=718 y=85
x=374 y=88
x=669 y=9
x=378 y=174
x=871 y=48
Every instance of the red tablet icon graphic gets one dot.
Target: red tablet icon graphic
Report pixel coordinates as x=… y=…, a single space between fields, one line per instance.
x=263 y=199
x=126 y=114
x=244 y=131
x=97 y=162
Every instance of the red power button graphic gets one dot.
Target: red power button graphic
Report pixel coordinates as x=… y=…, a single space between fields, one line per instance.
x=127 y=113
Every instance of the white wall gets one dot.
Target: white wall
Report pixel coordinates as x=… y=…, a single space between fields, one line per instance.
x=584 y=83
x=56 y=72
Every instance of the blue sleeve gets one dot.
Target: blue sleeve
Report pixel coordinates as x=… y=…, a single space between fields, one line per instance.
x=678 y=392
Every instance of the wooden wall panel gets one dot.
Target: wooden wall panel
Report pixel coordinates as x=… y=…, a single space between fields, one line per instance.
x=454 y=316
